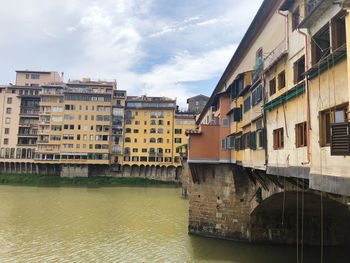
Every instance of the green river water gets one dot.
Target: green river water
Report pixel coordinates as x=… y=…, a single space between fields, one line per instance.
x=119 y=224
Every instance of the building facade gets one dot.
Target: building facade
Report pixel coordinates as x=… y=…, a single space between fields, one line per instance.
x=87 y=128
x=276 y=123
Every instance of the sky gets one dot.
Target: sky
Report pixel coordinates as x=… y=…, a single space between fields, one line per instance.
x=167 y=48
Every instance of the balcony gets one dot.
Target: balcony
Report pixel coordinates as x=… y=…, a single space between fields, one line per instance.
x=275 y=55
x=29 y=112
x=314 y=10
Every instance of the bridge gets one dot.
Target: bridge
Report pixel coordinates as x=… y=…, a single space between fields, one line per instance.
x=231 y=202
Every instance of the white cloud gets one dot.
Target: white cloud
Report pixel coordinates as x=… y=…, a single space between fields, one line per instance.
x=149 y=46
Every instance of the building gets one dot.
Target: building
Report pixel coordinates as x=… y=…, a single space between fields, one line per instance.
x=276 y=125
x=197 y=103
x=85 y=127
x=153 y=131
x=75 y=123
x=37 y=78
x=19 y=116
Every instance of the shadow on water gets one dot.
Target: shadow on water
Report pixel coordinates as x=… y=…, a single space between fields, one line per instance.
x=213 y=250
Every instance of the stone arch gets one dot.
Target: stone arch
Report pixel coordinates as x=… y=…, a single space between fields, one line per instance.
x=126 y=170
x=178 y=172
x=142 y=170
x=277 y=218
x=135 y=170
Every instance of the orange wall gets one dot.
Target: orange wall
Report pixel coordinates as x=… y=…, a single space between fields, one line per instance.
x=205 y=146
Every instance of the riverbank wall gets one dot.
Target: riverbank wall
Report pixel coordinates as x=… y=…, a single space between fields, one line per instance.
x=152 y=172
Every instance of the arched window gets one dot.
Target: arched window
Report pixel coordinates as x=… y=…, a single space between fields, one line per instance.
x=160 y=150
x=152 y=140
x=160 y=131
x=152 y=130
x=127 y=139
x=153 y=122
x=127 y=150
x=160 y=140
x=127 y=130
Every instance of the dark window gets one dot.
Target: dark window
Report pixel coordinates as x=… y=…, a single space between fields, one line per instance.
x=320 y=44
x=247 y=104
x=282 y=80
x=295 y=19
x=338 y=31
x=237 y=114
x=278 y=140
x=257 y=95
x=300 y=134
x=299 y=69
x=272 y=86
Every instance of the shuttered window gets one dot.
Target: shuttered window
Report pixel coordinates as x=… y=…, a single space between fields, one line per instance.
x=253 y=140
x=300 y=134
x=340 y=139
x=278 y=139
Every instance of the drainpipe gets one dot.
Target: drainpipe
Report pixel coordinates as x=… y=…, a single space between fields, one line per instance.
x=347 y=28
x=308 y=126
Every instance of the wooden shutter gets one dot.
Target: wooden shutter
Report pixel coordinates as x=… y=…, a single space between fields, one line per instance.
x=236 y=114
x=253 y=140
x=340 y=139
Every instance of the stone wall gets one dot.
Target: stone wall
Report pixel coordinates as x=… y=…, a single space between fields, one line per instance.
x=219 y=204
x=230 y=202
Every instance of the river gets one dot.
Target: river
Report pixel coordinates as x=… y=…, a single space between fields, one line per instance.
x=118 y=224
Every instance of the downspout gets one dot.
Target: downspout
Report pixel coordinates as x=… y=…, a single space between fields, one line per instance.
x=308 y=126
x=347 y=28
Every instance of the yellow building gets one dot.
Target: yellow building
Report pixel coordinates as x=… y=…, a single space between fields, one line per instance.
x=154 y=131
x=75 y=124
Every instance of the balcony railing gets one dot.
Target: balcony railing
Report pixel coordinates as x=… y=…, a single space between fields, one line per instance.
x=29 y=112
x=275 y=55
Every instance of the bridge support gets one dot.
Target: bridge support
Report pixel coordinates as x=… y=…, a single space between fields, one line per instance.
x=230 y=202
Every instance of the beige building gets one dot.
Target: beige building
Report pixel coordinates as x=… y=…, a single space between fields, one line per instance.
x=37 y=78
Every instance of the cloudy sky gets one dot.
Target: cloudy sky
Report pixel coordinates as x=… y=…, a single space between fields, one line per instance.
x=154 y=47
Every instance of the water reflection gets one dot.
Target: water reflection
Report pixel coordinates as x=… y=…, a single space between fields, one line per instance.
x=124 y=224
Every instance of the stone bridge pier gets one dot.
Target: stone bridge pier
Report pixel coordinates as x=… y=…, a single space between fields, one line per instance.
x=230 y=202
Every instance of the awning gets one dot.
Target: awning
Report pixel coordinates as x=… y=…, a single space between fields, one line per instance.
x=285 y=97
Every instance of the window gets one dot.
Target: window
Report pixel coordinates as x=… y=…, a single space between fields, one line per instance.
x=8 y=110
x=127 y=139
x=178 y=131
x=321 y=44
x=7 y=130
x=338 y=31
x=278 y=140
x=136 y=131
x=300 y=134
x=144 y=150
x=337 y=115
x=6 y=141
x=272 y=85
x=260 y=139
x=160 y=140
x=295 y=19
x=35 y=76
x=299 y=69
x=247 y=104
x=177 y=140
x=9 y=100
x=152 y=140
x=257 y=95
x=225 y=122
x=7 y=120
x=282 y=80
x=135 y=150
x=223 y=144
